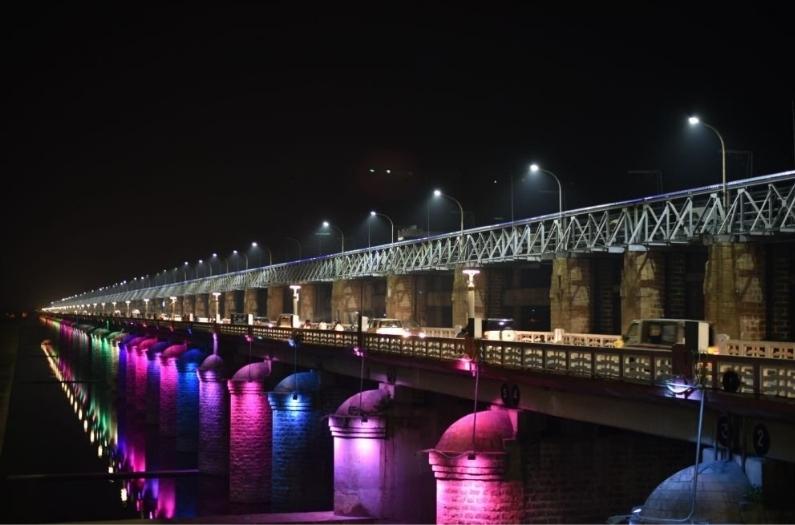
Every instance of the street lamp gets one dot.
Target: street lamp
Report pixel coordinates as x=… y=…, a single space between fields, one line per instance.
x=694 y=121
x=173 y=306
x=391 y=223
x=534 y=168
x=297 y=242
x=471 y=273
x=185 y=271
x=270 y=254
x=295 y=288
x=235 y=252
x=146 y=308
x=217 y=309
x=326 y=224
x=438 y=193
x=128 y=308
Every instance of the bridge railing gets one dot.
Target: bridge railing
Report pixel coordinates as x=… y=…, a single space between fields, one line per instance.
x=758 y=375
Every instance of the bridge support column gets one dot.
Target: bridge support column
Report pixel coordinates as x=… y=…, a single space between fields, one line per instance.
x=459 y=296
x=307 y=302
x=401 y=300
x=484 y=485
x=200 y=305
x=213 y=416
x=302 y=472
x=188 y=400
x=359 y=455
x=348 y=296
x=734 y=290
x=642 y=287
x=571 y=295
x=188 y=306
x=275 y=306
x=232 y=301
x=250 y=435
x=169 y=378
x=251 y=301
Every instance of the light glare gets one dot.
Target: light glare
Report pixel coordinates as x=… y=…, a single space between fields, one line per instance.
x=693 y=121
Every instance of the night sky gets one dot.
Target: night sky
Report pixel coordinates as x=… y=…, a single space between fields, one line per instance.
x=136 y=138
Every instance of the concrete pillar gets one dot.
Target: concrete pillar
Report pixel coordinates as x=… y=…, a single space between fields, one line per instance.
x=250 y=435
x=459 y=296
x=401 y=291
x=168 y=390
x=213 y=416
x=188 y=400
x=734 y=290
x=153 y=382
x=484 y=486
x=188 y=306
x=275 y=306
x=348 y=297
x=251 y=301
x=306 y=305
x=360 y=455
x=571 y=295
x=302 y=470
x=231 y=301
x=200 y=305
x=642 y=287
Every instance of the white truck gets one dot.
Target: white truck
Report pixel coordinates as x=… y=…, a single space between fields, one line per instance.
x=662 y=334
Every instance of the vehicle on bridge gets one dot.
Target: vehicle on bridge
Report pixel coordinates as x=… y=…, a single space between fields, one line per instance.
x=499 y=329
x=663 y=334
x=288 y=321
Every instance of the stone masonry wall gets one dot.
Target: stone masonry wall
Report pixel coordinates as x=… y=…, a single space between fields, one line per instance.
x=571 y=294
x=734 y=290
x=587 y=473
x=642 y=287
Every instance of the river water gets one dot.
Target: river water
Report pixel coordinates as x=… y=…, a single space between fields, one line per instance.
x=84 y=443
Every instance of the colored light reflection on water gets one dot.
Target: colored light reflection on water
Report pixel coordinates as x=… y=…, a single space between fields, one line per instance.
x=107 y=384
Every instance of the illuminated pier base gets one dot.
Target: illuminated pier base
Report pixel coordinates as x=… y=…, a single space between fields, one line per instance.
x=475 y=484
x=249 y=435
x=213 y=416
x=302 y=467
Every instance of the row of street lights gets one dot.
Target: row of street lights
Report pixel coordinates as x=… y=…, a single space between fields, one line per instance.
x=437 y=193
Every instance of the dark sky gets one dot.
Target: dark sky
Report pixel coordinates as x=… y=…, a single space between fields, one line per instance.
x=136 y=138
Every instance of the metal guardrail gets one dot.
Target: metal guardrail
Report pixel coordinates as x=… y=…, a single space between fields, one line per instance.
x=758 y=206
x=759 y=376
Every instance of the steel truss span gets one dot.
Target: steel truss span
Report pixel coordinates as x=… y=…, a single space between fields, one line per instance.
x=760 y=206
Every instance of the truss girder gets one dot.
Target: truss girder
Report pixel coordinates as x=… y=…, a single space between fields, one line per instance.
x=759 y=206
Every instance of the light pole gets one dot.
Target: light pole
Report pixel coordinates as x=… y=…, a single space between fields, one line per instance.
x=215 y=256
x=471 y=273
x=173 y=306
x=114 y=308
x=185 y=271
x=438 y=193
x=146 y=308
x=270 y=254
x=391 y=224
x=534 y=168
x=326 y=224
x=694 y=121
x=128 y=308
x=217 y=310
x=297 y=242
x=235 y=252
x=295 y=288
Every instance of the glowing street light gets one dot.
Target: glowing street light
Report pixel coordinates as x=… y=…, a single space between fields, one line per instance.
x=326 y=224
x=438 y=193
x=217 y=308
x=374 y=213
x=471 y=273
x=534 y=168
x=695 y=121
x=146 y=307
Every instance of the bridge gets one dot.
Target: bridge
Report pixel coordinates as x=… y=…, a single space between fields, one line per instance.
x=683 y=254
x=757 y=207
x=627 y=388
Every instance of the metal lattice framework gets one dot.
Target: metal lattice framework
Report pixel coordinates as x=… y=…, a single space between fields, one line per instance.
x=760 y=206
